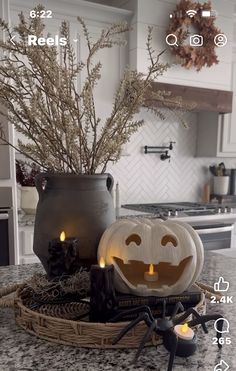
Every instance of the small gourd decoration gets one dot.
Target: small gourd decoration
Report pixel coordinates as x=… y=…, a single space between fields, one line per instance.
x=152 y=257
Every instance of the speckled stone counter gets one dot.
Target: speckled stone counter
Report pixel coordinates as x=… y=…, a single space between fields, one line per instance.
x=23 y=352
x=26 y=220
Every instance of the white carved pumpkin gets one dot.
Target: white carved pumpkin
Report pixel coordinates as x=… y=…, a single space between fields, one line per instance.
x=173 y=247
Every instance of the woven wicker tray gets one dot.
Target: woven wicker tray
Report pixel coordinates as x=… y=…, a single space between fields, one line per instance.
x=79 y=333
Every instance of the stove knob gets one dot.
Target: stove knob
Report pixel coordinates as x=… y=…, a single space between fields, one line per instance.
x=169 y=213
x=176 y=213
x=231 y=210
x=219 y=210
x=225 y=210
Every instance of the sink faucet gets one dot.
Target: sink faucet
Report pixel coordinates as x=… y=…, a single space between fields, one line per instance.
x=165 y=156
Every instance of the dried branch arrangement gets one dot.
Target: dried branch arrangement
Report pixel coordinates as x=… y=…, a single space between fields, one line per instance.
x=38 y=86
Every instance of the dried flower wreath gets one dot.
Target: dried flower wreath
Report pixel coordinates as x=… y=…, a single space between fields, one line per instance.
x=194 y=56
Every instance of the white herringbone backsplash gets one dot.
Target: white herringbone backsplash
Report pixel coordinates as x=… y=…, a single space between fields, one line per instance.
x=145 y=178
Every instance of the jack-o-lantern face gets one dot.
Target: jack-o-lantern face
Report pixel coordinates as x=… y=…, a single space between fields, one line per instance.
x=172 y=250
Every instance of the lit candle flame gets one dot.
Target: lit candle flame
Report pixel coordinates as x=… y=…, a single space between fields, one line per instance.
x=62 y=236
x=184 y=328
x=102 y=262
x=151 y=275
x=151 y=269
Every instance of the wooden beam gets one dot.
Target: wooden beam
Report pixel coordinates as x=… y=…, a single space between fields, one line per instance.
x=209 y=100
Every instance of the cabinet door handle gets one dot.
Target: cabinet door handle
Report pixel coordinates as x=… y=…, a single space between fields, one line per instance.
x=4 y=216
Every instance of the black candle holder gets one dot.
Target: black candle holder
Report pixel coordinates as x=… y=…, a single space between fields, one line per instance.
x=102 y=293
x=184 y=348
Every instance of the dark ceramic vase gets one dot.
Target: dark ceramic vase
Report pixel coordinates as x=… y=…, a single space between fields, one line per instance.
x=79 y=205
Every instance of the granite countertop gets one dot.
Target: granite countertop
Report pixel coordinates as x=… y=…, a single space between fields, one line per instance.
x=23 y=352
x=126 y=213
x=27 y=220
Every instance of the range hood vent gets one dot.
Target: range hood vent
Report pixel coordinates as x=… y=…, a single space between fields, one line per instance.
x=203 y=100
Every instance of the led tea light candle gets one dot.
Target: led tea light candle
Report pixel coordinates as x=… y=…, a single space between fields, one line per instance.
x=102 y=291
x=184 y=332
x=63 y=256
x=151 y=275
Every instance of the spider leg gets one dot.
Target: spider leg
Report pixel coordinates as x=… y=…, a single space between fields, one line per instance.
x=142 y=317
x=187 y=314
x=178 y=307
x=174 y=343
x=144 y=340
x=207 y=318
x=141 y=309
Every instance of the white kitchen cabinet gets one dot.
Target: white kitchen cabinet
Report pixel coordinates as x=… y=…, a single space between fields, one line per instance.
x=26 y=237
x=217 y=132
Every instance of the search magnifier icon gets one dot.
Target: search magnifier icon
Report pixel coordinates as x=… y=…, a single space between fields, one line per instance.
x=172 y=40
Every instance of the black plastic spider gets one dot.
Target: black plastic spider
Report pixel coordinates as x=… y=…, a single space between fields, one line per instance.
x=165 y=327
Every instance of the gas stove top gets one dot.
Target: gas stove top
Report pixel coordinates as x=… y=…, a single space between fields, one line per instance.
x=186 y=211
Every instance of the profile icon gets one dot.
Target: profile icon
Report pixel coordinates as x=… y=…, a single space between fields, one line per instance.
x=220 y=40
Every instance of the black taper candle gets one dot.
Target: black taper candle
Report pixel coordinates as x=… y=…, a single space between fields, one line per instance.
x=102 y=293
x=63 y=256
